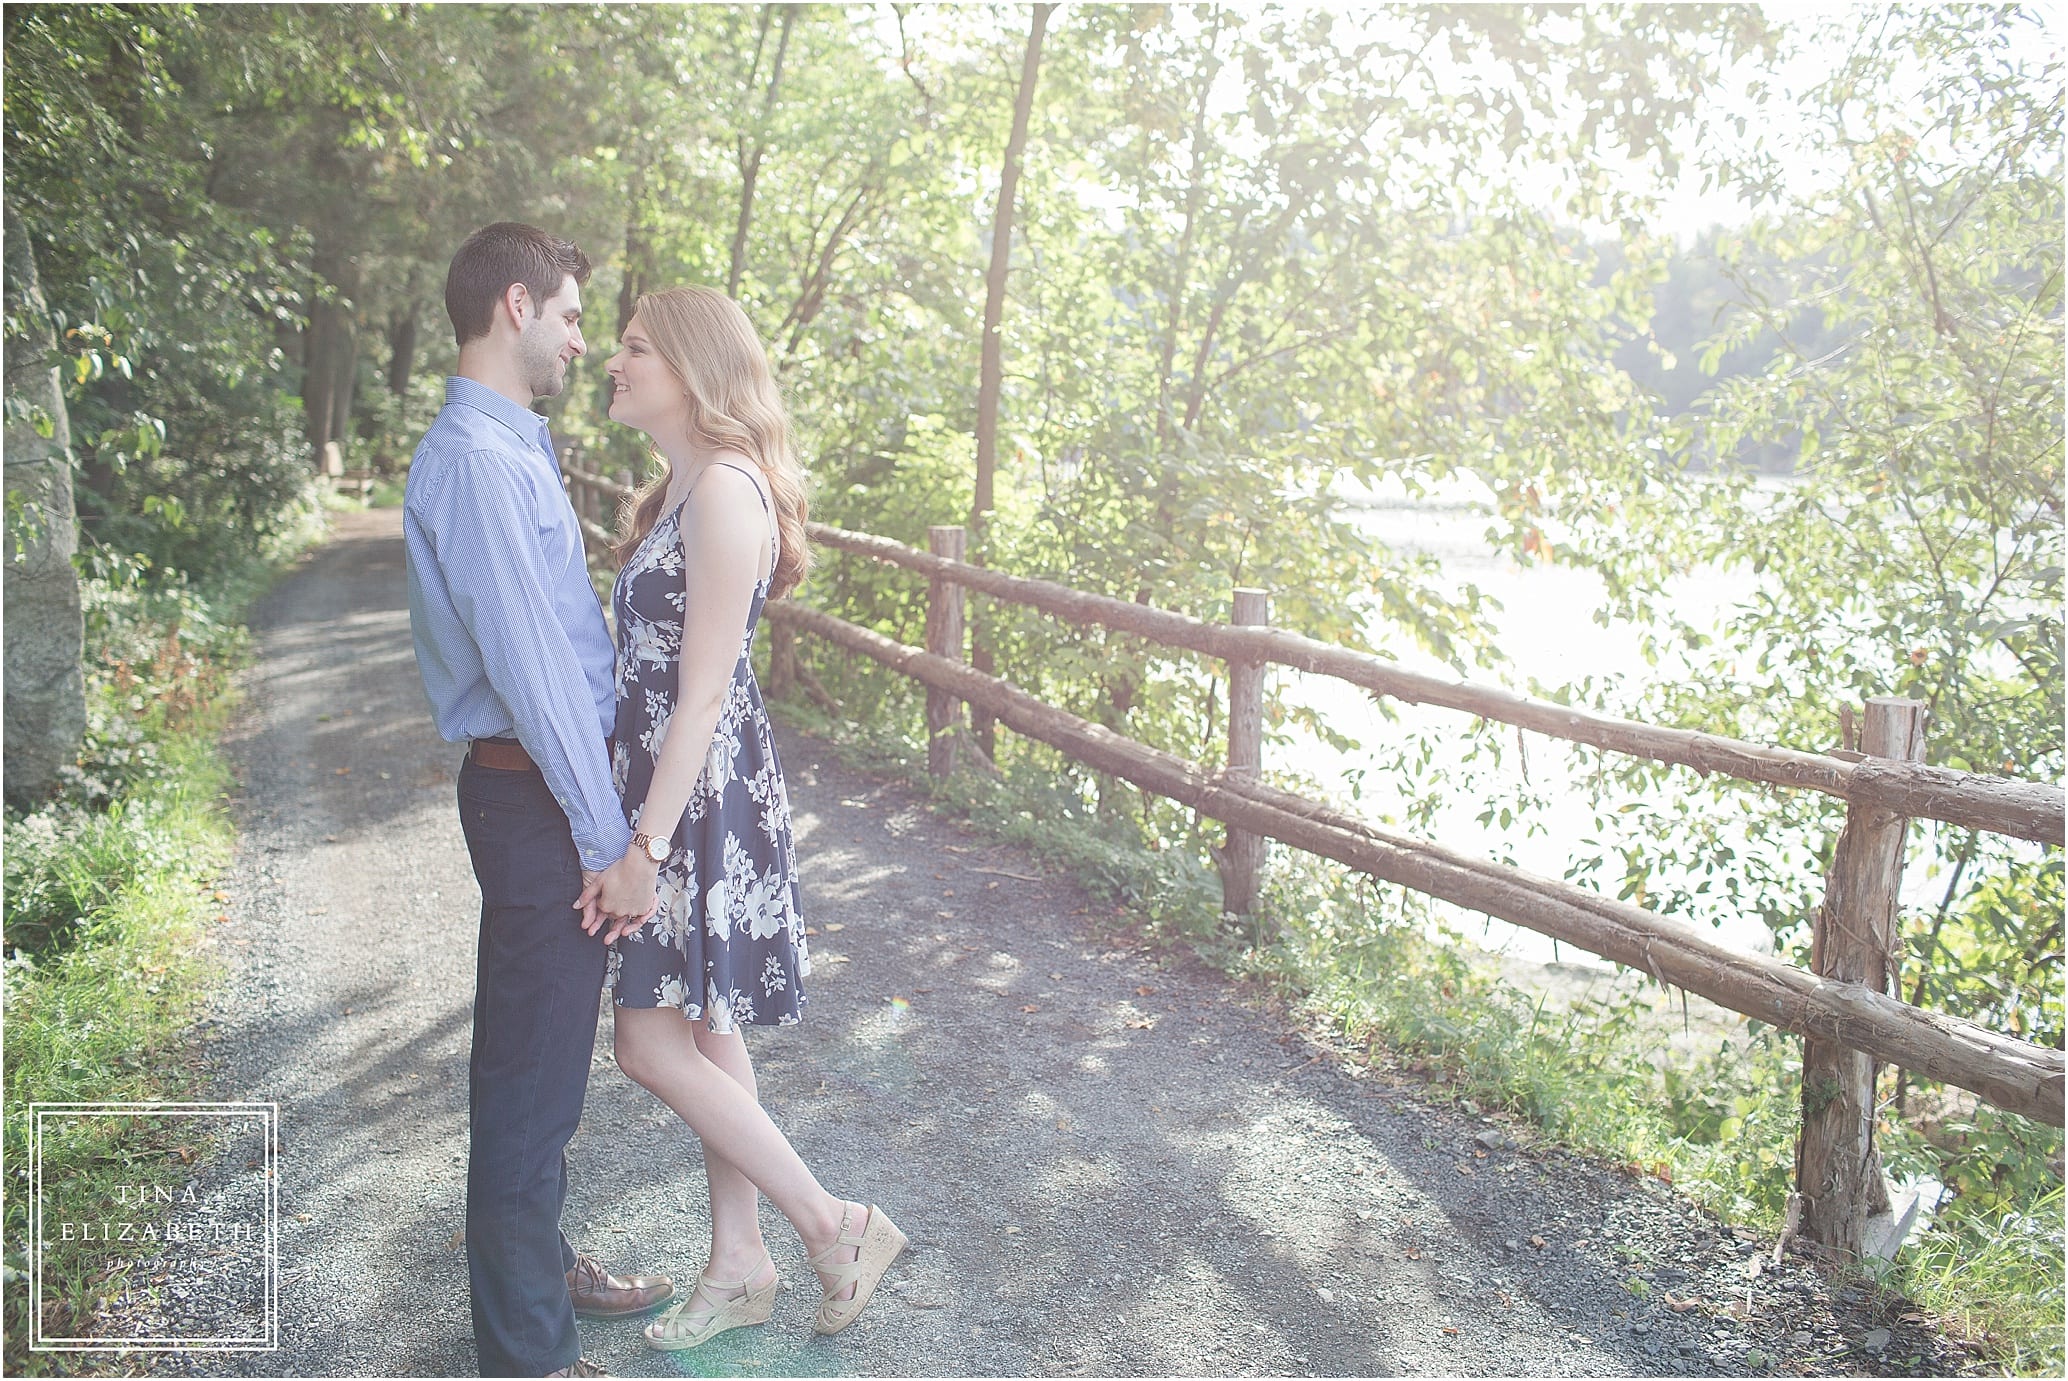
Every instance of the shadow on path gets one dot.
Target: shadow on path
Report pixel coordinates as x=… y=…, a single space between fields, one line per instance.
x=1106 y=1167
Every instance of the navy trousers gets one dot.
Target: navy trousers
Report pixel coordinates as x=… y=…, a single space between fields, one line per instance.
x=538 y=981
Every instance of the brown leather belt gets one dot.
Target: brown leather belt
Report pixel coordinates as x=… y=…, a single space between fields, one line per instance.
x=507 y=756
x=503 y=757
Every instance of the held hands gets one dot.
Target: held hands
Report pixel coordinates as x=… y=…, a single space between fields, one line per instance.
x=622 y=895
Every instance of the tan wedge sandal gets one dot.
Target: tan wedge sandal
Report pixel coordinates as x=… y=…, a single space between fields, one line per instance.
x=880 y=1242
x=669 y=1334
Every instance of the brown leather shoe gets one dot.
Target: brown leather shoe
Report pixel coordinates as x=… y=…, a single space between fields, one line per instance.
x=600 y=1295
x=581 y=1366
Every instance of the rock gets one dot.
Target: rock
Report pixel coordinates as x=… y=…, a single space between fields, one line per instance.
x=1800 y=1338
x=1875 y=1339
x=46 y=691
x=1327 y=1296
x=1491 y=1139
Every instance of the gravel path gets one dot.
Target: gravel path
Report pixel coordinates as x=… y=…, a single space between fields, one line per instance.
x=1106 y=1165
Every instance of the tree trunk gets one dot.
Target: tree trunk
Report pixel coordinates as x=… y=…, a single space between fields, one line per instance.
x=45 y=710
x=333 y=349
x=638 y=245
x=750 y=155
x=991 y=367
x=402 y=348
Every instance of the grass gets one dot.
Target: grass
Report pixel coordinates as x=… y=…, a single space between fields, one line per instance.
x=1373 y=970
x=109 y=892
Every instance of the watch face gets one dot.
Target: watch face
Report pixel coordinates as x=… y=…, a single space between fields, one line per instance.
x=657 y=849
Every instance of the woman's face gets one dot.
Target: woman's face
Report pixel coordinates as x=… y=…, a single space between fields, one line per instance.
x=644 y=392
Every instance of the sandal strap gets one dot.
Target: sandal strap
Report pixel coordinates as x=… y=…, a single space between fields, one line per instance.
x=718 y=1304
x=850 y=1236
x=704 y=1279
x=844 y=1273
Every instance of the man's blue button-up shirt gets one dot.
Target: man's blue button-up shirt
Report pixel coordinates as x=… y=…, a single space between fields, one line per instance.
x=509 y=636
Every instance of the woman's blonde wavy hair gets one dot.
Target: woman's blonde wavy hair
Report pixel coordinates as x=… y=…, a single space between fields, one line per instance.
x=704 y=337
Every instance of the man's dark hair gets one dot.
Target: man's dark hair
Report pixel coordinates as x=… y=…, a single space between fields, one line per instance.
x=494 y=257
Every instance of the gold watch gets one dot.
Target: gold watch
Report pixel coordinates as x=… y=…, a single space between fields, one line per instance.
x=656 y=849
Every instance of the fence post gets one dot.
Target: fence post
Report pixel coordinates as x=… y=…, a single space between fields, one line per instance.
x=1855 y=939
x=1243 y=854
x=943 y=639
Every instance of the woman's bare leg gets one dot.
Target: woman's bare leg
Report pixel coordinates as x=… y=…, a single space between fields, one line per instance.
x=661 y=1052
x=737 y=1249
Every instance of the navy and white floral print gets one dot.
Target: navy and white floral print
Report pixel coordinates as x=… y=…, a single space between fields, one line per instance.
x=727 y=943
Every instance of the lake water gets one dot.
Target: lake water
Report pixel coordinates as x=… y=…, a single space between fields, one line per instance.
x=1547 y=629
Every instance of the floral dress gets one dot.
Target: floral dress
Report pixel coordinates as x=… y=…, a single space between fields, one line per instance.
x=727 y=942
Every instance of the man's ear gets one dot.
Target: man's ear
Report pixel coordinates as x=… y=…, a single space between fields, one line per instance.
x=516 y=304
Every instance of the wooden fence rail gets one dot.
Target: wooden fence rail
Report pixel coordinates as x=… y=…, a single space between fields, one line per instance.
x=1844 y=1008
x=2013 y=1074
x=2001 y=805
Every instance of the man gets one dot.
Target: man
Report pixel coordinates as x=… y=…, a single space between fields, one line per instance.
x=517 y=662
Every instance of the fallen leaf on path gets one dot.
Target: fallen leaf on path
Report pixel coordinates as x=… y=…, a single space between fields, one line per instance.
x=1451 y=1331
x=1680 y=1306
x=302 y=1217
x=1536 y=1241
x=344 y=772
x=835 y=927
x=1145 y=991
x=1145 y=1024
x=457 y=1240
x=1466 y=1171
x=1031 y=1007
x=1414 y=1253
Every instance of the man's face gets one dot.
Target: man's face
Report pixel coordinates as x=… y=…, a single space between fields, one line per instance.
x=551 y=340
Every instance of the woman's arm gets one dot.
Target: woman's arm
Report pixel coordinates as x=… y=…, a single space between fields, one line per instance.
x=725 y=540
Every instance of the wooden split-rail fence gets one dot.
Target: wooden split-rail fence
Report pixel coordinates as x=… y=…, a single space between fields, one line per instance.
x=1844 y=1005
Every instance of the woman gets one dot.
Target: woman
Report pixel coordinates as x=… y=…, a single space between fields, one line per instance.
x=701 y=550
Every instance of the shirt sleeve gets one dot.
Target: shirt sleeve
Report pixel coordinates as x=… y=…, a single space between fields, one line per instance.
x=484 y=531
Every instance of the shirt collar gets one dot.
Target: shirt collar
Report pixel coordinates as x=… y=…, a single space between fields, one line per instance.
x=479 y=396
